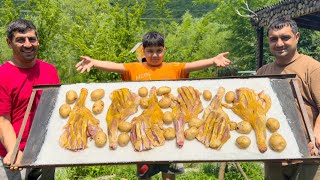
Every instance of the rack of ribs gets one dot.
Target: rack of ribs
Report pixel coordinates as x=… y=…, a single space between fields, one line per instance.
x=147 y=128
x=215 y=129
x=185 y=107
x=124 y=104
x=81 y=125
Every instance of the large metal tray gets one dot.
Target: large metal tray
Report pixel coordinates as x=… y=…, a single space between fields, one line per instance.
x=282 y=86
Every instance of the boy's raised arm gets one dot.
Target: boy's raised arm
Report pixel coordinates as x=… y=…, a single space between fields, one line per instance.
x=87 y=63
x=219 y=60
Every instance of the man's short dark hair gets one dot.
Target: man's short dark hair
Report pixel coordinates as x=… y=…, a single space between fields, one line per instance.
x=21 y=26
x=152 y=38
x=281 y=23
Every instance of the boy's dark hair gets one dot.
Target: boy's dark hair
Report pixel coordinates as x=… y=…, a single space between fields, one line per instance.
x=21 y=26
x=281 y=23
x=152 y=38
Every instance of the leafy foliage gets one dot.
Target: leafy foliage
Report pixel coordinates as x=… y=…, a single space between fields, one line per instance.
x=242 y=41
x=196 y=171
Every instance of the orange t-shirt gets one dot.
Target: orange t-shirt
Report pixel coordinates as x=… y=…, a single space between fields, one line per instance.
x=142 y=72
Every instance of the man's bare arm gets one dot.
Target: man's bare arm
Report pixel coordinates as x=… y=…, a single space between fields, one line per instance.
x=8 y=139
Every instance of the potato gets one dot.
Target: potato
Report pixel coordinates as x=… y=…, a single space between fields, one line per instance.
x=71 y=96
x=97 y=107
x=191 y=133
x=273 y=124
x=169 y=133
x=195 y=122
x=143 y=91
x=165 y=102
x=243 y=142
x=233 y=125
x=229 y=97
x=97 y=94
x=64 y=110
x=144 y=102
x=244 y=127
x=163 y=90
x=100 y=139
x=207 y=95
x=277 y=142
x=123 y=139
x=125 y=126
x=167 y=117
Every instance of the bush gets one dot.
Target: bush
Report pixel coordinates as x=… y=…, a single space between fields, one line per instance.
x=194 y=171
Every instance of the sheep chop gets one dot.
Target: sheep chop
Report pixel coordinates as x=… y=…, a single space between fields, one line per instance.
x=185 y=107
x=147 y=128
x=81 y=125
x=124 y=103
x=215 y=129
x=253 y=108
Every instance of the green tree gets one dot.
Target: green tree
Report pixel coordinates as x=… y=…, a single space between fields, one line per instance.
x=242 y=43
x=8 y=12
x=102 y=31
x=194 y=39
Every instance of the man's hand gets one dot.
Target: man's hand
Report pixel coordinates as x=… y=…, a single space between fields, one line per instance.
x=221 y=60
x=85 y=65
x=311 y=149
x=7 y=161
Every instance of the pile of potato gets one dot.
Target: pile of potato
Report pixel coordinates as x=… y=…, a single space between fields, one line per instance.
x=65 y=109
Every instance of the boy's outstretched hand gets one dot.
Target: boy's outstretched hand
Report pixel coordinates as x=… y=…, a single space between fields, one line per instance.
x=85 y=64
x=221 y=61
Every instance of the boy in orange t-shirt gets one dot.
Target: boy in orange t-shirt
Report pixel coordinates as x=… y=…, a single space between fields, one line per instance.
x=153 y=69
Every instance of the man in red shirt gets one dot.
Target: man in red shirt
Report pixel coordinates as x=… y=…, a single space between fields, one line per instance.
x=18 y=75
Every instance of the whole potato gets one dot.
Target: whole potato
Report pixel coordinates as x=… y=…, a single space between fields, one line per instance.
x=273 y=124
x=97 y=107
x=97 y=94
x=233 y=125
x=207 y=95
x=165 y=102
x=125 y=126
x=191 y=133
x=64 y=110
x=143 y=91
x=123 y=139
x=277 y=142
x=195 y=122
x=100 y=139
x=167 y=117
x=71 y=96
x=144 y=102
x=169 y=133
x=244 y=127
x=163 y=90
x=243 y=142
x=229 y=97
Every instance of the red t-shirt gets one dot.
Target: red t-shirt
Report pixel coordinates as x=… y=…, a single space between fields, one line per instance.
x=143 y=72
x=15 y=91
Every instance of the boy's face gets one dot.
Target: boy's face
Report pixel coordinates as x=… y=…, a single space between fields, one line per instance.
x=154 y=55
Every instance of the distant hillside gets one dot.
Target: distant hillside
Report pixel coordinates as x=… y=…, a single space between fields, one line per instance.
x=177 y=9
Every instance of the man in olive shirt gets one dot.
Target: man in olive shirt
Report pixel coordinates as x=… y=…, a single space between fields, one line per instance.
x=283 y=37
